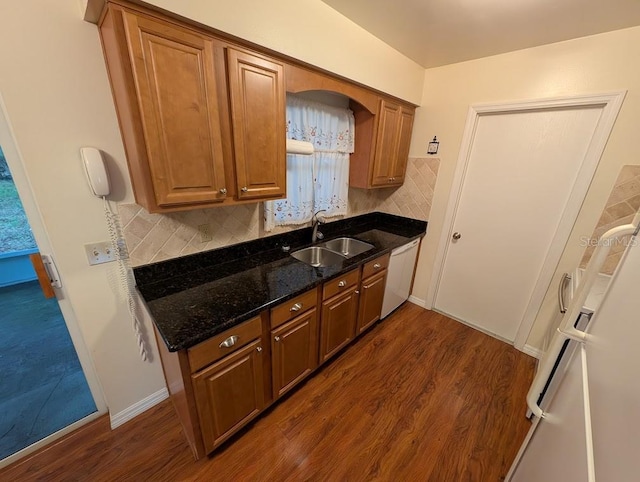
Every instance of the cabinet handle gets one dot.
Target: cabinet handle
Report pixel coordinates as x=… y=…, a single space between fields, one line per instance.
x=357 y=292
x=296 y=307
x=229 y=342
x=342 y=284
x=245 y=189
x=276 y=338
x=377 y=266
x=223 y=191
x=259 y=349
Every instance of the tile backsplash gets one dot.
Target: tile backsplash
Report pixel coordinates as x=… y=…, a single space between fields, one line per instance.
x=156 y=237
x=621 y=206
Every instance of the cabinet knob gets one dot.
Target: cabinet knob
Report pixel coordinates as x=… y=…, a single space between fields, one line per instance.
x=245 y=189
x=342 y=284
x=276 y=338
x=223 y=191
x=229 y=342
x=456 y=236
x=377 y=266
x=357 y=292
x=259 y=349
x=296 y=307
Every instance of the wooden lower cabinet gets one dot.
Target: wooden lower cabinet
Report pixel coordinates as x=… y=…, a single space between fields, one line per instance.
x=294 y=351
x=371 y=295
x=338 y=322
x=221 y=384
x=229 y=393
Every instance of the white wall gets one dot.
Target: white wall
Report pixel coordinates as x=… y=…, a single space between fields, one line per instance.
x=596 y=64
x=311 y=31
x=55 y=86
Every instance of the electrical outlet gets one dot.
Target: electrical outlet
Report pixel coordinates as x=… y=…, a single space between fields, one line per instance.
x=98 y=253
x=205 y=233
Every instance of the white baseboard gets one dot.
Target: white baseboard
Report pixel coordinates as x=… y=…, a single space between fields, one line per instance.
x=137 y=408
x=417 y=301
x=534 y=352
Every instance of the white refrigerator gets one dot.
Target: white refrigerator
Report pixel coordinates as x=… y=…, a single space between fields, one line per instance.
x=590 y=429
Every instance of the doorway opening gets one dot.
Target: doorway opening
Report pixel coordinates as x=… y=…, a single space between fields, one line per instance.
x=43 y=388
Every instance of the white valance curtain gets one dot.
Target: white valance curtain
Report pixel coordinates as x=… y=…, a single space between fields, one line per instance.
x=319 y=181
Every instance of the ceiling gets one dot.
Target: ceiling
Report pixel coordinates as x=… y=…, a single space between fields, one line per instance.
x=440 y=32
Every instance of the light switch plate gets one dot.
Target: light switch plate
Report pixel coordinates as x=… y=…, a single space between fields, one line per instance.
x=98 y=253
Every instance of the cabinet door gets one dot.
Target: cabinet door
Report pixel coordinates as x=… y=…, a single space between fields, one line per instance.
x=338 y=323
x=175 y=82
x=294 y=350
x=256 y=88
x=386 y=146
x=229 y=394
x=371 y=295
x=405 y=128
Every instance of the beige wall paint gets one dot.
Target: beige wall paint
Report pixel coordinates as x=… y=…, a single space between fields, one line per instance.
x=54 y=84
x=312 y=31
x=596 y=64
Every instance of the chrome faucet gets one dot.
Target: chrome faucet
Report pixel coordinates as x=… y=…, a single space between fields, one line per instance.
x=315 y=221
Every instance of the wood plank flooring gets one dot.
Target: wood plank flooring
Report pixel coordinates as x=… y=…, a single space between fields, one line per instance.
x=420 y=397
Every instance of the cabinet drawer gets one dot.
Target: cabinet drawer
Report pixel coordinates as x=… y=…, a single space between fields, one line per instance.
x=340 y=284
x=375 y=266
x=213 y=349
x=294 y=307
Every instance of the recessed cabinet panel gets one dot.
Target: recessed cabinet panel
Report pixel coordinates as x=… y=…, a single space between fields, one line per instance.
x=256 y=87
x=371 y=295
x=176 y=88
x=229 y=394
x=399 y=167
x=294 y=348
x=386 y=144
x=338 y=323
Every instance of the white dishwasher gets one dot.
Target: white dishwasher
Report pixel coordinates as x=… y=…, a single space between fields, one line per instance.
x=399 y=275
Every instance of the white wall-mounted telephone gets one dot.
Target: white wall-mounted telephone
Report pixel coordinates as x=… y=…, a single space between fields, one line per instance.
x=96 y=171
x=98 y=178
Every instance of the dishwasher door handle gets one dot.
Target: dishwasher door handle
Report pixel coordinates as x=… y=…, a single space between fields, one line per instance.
x=405 y=248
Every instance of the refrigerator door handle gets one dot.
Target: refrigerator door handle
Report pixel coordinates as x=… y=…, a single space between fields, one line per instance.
x=562 y=287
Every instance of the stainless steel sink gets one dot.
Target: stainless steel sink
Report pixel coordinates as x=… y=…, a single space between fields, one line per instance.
x=318 y=257
x=347 y=247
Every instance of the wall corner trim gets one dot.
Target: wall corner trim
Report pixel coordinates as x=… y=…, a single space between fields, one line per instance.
x=418 y=301
x=532 y=351
x=137 y=408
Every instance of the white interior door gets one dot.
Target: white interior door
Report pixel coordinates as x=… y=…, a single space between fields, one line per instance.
x=520 y=176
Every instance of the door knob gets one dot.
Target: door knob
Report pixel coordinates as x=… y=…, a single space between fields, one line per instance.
x=456 y=236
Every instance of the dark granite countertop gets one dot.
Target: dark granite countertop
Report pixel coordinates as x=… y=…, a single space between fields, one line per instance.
x=195 y=297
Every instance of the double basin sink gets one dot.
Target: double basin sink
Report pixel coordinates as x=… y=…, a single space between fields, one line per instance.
x=331 y=252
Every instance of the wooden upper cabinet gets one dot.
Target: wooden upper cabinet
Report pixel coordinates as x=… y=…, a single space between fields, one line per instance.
x=257 y=92
x=203 y=122
x=382 y=145
x=173 y=71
